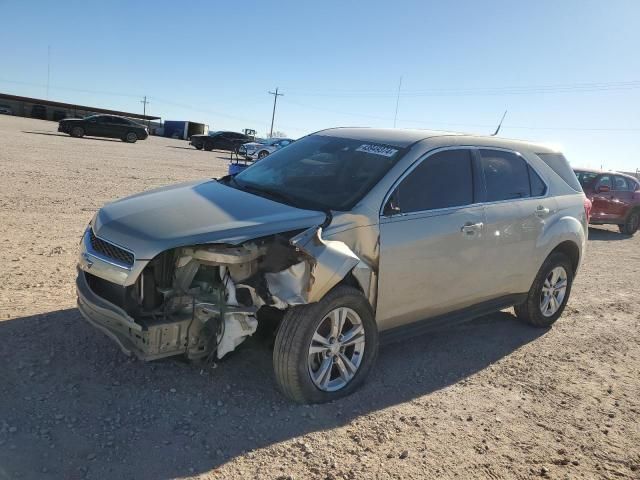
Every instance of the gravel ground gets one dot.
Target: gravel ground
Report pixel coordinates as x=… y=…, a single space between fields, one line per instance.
x=489 y=399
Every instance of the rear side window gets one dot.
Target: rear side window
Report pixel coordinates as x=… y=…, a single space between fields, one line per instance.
x=560 y=165
x=506 y=175
x=445 y=179
x=620 y=184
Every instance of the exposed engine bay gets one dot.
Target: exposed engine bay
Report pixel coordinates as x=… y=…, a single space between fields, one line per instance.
x=203 y=301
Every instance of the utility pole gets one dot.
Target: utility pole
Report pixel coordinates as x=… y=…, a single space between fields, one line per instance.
x=397 y=102
x=275 y=101
x=144 y=102
x=48 y=68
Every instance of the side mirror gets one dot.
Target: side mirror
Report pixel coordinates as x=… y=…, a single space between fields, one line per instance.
x=392 y=207
x=604 y=189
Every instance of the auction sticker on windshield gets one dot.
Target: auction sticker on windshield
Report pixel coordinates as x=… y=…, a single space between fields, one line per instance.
x=377 y=150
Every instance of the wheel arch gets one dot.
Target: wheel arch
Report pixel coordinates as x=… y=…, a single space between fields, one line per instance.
x=566 y=234
x=571 y=250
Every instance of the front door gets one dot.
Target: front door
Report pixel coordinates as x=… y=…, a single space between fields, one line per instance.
x=431 y=241
x=602 y=208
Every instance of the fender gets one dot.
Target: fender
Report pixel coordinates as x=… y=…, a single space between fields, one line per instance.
x=561 y=229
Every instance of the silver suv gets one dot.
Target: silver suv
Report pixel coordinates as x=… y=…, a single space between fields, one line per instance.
x=342 y=239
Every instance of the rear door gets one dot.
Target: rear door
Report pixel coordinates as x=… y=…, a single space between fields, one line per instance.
x=516 y=207
x=431 y=241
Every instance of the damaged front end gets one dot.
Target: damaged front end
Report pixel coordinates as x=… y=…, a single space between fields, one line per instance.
x=203 y=301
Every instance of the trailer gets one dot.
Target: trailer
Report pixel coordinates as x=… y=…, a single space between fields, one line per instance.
x=184 y=129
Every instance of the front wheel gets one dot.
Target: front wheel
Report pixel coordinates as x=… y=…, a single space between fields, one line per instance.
x=631 y=224
x=325 y=350
x=262 y=154
x=549 y=293
x=131 y=137
x=77 y=132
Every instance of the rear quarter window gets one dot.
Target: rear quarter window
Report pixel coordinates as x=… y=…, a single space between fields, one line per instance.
x=559 y=164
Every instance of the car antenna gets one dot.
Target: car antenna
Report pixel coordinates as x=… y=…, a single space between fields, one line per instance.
x=500 y=124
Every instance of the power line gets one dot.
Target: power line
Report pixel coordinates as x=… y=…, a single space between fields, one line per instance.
x=458 y=124
x=502 y=90
x=275 y=101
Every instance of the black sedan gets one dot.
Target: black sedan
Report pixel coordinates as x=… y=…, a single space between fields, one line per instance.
x=109 y=126
x=219 y=141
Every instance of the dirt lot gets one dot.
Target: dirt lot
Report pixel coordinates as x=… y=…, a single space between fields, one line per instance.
x=489 y=399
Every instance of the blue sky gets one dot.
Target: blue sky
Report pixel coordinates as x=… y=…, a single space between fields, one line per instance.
x=567 y=71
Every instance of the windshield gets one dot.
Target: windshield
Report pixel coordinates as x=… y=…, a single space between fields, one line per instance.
x=321 y=172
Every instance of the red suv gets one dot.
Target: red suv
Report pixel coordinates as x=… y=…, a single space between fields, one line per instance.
x=615 y=198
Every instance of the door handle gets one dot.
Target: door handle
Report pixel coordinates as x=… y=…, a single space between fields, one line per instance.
x=542 y=211
x=470 y=228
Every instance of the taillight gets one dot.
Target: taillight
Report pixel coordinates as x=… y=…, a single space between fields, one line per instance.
x=587 y=208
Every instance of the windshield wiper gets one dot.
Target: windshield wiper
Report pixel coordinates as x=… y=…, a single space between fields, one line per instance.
x=266 y=192
x=281 y=198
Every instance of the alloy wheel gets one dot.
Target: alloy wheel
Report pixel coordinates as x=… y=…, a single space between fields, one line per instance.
x=553 y=292
x=336 y=349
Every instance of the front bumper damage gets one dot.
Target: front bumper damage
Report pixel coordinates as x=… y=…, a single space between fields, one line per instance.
x=214 y=320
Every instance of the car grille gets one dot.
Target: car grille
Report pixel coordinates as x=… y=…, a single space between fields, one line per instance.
x=110 y=250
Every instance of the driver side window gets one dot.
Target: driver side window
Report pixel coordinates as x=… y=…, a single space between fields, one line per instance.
x=604 y=181
x=442 y=180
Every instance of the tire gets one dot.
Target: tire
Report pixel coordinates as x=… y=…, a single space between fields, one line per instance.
x=77 y=132
x=131 y=137
x=262 y=154
x=292 y=360
x=198 y=147
x=531 y=311
x=631 y=223
x=208 y=147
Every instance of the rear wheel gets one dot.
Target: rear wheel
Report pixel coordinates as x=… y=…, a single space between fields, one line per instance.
x=549 y=293
x=131 y=137
x=262 y=154
x=325 y=350
x=77 y=132
x=198 y=147
x=208 y=147
x=631 y=224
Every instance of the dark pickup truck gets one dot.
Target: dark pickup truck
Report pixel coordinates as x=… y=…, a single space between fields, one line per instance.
x=230 y=141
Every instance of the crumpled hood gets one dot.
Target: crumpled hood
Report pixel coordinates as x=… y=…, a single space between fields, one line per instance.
x=195 y=213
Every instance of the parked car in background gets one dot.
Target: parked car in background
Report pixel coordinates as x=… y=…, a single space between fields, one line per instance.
x=343 y=237
x=5 y=110
x=615 y=198
x=218 y=140
x=259 y=150
x=109 y=126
